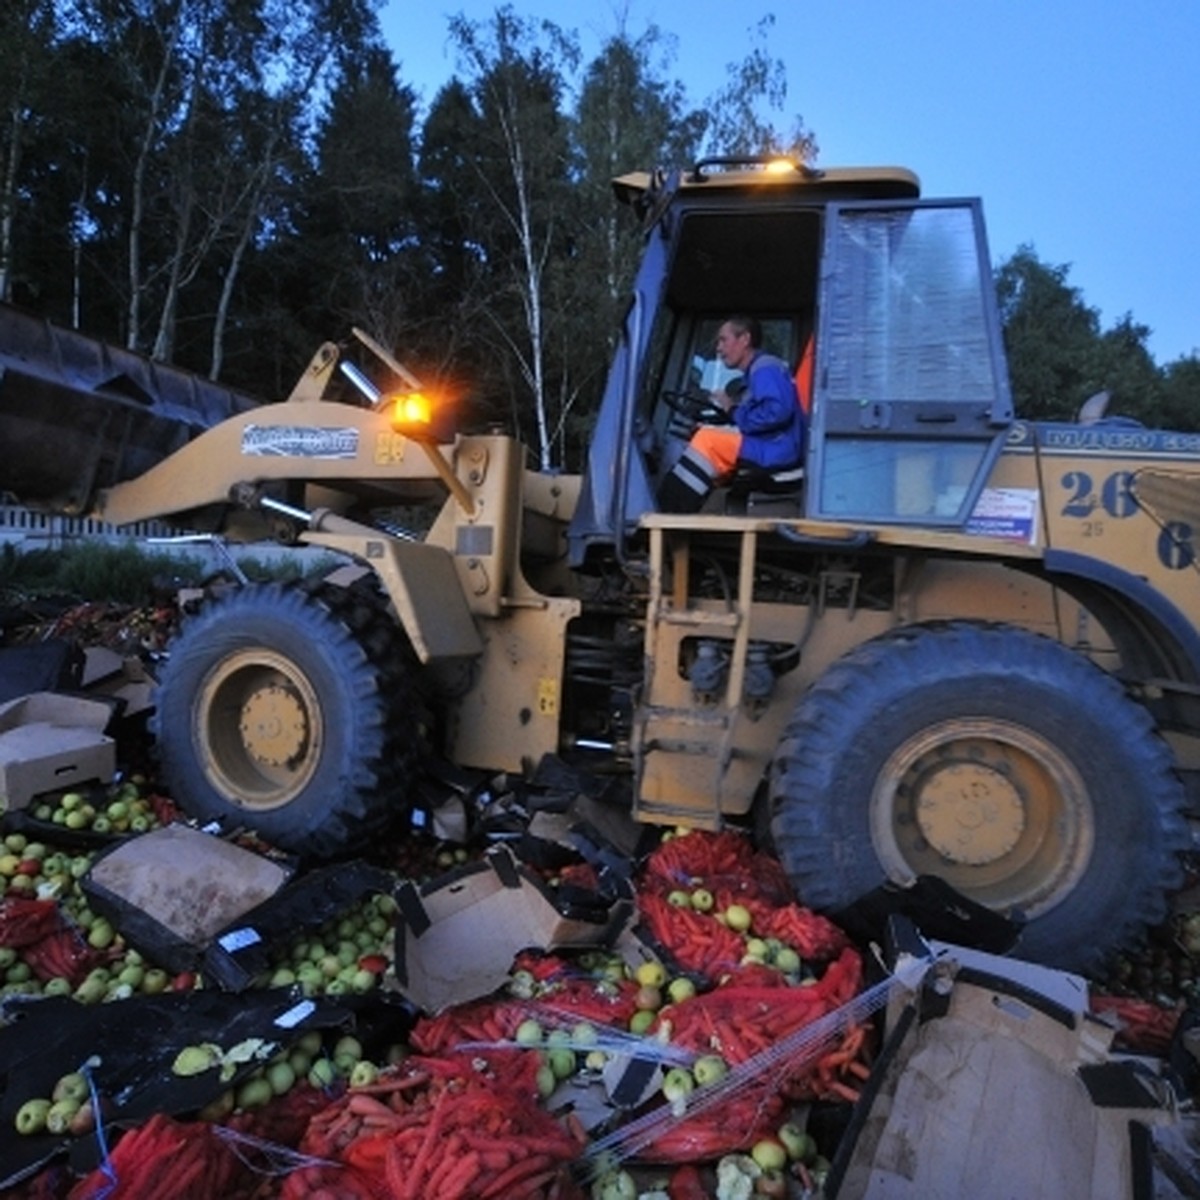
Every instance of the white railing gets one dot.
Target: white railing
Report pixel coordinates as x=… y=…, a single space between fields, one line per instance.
x=33 y=530
x=29 y=529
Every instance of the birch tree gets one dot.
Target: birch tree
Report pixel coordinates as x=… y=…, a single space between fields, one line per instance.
x=521 y=173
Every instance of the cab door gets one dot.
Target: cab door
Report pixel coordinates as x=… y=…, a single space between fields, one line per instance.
x=911 y=397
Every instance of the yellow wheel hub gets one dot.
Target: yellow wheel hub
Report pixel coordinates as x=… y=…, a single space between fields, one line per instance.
x=273 y=726
x=993 y=808
x=969 y=813
x=259 y=719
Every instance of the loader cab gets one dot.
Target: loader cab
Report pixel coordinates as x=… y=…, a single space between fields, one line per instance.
x=909 y=394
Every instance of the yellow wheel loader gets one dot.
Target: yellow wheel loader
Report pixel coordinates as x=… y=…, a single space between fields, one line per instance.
x=948 y=643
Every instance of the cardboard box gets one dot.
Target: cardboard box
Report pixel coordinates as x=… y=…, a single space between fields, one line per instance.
x=106 y=673
x=991 y=1085
x=50 y=742
x=458 y=934
x=173 y=890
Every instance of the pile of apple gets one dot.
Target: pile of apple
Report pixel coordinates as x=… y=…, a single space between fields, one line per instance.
x=345 y=955
x=120 y=808
x=307 y=1061
x=33 y=869
x=68 y=1109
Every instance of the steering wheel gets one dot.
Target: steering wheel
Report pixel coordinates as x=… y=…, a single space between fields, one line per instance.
x=695 y=405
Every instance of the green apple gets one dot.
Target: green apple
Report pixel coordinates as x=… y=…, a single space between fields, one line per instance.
x=651 y=974
x=798 y=1142
x=738 y=918
x=363 y=1074
x=195 y=1060
x=788 y=961
x=60 y=1115
x=709 y=1069
x=529 y=1033
x=322 y=1074
x=72 y=1086
x=641 y=1020
x=31 y=1116
x=562 y=1062
x=154 y=981
x=679 y=989
x=678 y=1084
x=702 y=900
x=254 y=1093
x=347 y=1046
x=770 y=1154
x=363 y=981
x=101 y=934
x=132 y=974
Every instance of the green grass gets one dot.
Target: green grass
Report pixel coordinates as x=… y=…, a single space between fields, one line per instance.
x=121 y=573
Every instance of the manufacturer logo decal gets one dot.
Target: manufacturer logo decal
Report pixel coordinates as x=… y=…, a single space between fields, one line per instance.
x=299 y=441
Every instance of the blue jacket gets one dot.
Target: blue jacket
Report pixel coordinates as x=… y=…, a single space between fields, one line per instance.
x=769 y=416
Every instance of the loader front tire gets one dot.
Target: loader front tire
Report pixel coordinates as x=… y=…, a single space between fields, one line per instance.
x=999 y=760
x=291 y=711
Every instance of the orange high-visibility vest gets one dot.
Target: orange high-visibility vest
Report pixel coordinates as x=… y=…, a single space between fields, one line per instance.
x=804 y=377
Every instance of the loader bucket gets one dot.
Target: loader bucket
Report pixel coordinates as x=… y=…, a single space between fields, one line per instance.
x=78 y=415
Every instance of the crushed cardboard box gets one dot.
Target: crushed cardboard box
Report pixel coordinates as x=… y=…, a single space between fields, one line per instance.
x=995 y=1082
x=457 y=935
x=50 y=742
x=123 y=677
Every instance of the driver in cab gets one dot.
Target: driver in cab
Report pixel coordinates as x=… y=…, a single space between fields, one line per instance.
x=767 y=429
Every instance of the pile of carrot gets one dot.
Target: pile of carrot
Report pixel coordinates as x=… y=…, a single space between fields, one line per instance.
x=742 y=1019
x=1142 y=1026
x=696 y=941
x=164 y=1159
x=733 y=872
x=25 y=920
x=564 y=993
x=446 y=1128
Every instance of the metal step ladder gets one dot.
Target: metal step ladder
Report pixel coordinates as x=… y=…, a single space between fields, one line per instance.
x=683 y=748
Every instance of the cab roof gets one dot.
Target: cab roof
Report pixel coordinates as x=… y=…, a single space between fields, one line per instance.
x=727 y=175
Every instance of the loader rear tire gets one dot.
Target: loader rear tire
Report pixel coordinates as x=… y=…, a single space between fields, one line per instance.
x=996 y=759
x=292 y=711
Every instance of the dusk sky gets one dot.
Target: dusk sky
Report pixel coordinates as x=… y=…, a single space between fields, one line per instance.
x=1077 y=123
